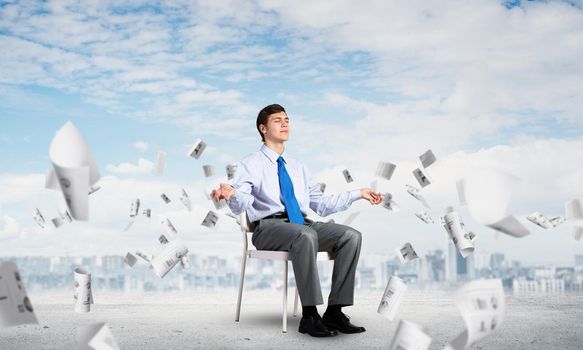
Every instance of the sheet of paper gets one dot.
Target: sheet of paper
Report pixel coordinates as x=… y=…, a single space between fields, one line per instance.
x=406 y=253
x=75 y=169
x=15 y=306
x=169 y=226
x=422 y=177
x=93 y=189
x=135 y=208
x=456 y=230
x=541 y=220
x=165 y=198
x=145 y=256
x=197 y=148
x=170 y=255
x=392 y=298
x=425 y=216
x=130 y=259
x=409 y=336
x=488 y=193
x=416 y=193
x=482 y=304
x=577 y=232
x=95 y=337
x=83 y=295
x=427 y=158
x=231 y=169
x=63 y=218
x=210 y=220
x=51 y=181
x=510 y=226
x=461 y=191
x=128 y=226
x=185 y=199
x=39 y=218
x=385 y=170
x=351 y=218
x=162 y=239
x=161 y=163
x=185 y=262
x=347 y=176
x=208 y=170
x=574 y=209
x=389 y=203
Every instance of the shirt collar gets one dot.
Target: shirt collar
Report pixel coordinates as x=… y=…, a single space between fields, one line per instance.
x=271 y=154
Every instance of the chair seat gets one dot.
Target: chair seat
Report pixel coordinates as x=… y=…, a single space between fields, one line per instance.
x=282 y=255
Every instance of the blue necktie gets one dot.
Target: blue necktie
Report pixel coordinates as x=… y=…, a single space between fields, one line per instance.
x=287 y=192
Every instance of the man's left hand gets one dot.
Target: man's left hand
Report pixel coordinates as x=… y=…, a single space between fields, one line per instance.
x=373 y=197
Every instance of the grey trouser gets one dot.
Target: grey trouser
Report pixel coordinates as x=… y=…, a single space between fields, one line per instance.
x=303 y=243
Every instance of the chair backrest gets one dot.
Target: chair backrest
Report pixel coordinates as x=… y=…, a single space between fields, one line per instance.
x=246 y=226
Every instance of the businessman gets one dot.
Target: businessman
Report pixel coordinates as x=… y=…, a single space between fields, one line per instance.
x=276 y=191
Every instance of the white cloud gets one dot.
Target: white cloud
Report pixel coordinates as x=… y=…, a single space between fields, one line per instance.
x=550 y=171
x=109 y=214
x=8 y=227
x=141 y=145
x=144 y=166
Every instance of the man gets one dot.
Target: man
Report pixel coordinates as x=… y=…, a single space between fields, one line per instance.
x=276 y=191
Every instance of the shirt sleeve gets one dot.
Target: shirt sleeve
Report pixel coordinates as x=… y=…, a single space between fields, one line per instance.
x=329 y=204
x=243 y=183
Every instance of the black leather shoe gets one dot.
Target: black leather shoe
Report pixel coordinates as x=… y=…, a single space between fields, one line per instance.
x=341 y=323
x=314 y=326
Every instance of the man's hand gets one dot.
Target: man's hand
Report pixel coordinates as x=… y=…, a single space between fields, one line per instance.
x=225 y=191
x=371 y=196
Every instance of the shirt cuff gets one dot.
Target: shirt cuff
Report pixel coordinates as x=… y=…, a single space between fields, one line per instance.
x=355 y=195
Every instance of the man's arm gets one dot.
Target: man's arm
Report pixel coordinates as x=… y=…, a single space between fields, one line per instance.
x=330 y=204
x=238 y=192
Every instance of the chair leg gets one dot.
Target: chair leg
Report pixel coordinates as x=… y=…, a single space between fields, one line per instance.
x=243 y=264
x=284 y=328
x=296 y=303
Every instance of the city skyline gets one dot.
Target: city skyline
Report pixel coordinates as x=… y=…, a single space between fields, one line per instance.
x=433 y=270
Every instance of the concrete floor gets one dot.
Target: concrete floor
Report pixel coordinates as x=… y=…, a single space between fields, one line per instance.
x=205 y=320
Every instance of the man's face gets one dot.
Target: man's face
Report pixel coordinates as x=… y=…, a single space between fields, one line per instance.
x=277 y=128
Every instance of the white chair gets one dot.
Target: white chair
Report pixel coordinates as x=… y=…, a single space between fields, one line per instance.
x=246 y=229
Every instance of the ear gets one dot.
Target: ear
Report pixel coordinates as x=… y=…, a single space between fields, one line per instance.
x=263 y=128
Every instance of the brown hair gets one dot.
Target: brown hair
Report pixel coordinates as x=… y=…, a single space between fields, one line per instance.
x=264 y=114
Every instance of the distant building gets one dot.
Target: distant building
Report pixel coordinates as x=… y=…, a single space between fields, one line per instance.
x=497 y=261
x=434 y=266
x=451 y=262
x=366 y=278
x=545 y=285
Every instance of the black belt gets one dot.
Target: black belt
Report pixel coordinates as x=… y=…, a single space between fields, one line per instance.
x=280 y=215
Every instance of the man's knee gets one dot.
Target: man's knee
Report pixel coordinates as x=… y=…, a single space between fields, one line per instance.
x=353 y=236
x=309 y=236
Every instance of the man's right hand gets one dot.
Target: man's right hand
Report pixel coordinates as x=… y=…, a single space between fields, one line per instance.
x=225 y=191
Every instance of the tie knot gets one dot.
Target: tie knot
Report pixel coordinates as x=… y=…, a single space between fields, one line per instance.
x=280 y=160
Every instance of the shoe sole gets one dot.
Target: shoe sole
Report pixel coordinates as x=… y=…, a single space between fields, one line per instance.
x=303 y=331
x=341 y=331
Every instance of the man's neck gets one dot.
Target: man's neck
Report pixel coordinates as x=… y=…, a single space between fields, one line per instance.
x=277 y=147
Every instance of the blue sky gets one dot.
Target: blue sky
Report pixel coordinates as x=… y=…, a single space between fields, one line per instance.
x=385 y=81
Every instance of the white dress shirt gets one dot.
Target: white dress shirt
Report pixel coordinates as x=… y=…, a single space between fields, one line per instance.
x=257 y=190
